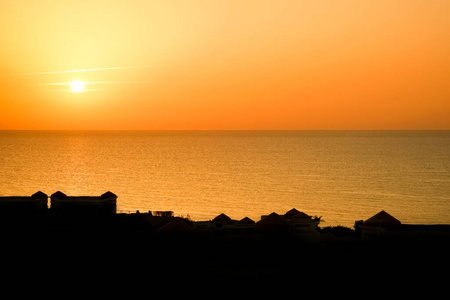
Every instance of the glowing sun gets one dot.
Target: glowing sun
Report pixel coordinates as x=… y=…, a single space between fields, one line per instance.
x=77 y=86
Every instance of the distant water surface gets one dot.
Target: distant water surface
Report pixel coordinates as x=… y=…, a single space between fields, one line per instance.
x=342 y=176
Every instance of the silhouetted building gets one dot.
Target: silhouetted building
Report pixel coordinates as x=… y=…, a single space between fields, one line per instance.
x=105 y=204
x=298 y=223
x=222 y=218
x=291 y=213
x=20 y=204
x=292 y=219
x=379 y=224
x=303 y=222
x=272 y=222
x=176 y=225
x=246 y=221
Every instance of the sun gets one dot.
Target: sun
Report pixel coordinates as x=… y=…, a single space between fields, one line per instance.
x=77 y=86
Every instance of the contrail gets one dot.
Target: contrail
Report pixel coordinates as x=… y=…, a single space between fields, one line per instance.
x=87 y=82
x=85 y=90
x=85 y=70
x=50 y=83
x=109 y=68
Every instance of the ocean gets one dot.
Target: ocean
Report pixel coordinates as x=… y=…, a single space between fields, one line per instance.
x=342 y=176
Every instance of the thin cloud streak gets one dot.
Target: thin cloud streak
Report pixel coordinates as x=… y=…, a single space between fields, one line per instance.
x=83 y=91
x=83 y=70
x=89 y=82
x=50 y=83
x=107 y=68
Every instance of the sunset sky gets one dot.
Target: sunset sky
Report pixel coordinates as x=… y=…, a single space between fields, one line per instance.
x=285 y=64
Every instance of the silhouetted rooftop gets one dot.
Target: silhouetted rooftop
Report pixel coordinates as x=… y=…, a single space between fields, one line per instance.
x=59 y=194
x=39 y=194
x=301 y=215
x=246 y=221
x=222 y=218
x=382 y=219
x=176 y=225
x=292 y=212
x=108 y=194
x=272 y=222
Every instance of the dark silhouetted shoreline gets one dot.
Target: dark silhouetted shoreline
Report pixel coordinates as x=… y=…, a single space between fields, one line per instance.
x=276 y=246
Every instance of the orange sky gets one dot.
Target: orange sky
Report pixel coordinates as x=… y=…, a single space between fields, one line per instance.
x=258 y=64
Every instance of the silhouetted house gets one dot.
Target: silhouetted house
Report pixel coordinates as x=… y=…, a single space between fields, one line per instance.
x=246 y=221
x=301 y=225
x=176 y=226
x=272 y=222
x=380 y=223
x=104 y=204
x=291 y=213
x=382 y=219
x=303 y=222
x=222 y=218
x=18 y=204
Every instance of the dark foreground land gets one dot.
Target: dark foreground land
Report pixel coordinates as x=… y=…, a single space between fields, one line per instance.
x=120 y=247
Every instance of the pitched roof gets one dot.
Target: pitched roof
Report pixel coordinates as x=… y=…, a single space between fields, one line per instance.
x=291 y=213
x=246 y=221
x=222 y=218
x=301 y=215
x=382 y=219
x=176 y=225
x=108 y=194
x=59 y=194
x=39 y=194
x=272 y=222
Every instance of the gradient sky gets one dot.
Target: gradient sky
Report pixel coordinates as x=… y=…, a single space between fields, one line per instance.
x=282 y=64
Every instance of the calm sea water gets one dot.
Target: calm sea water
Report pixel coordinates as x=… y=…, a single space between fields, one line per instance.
x=342 y=176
